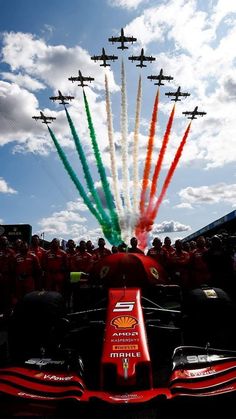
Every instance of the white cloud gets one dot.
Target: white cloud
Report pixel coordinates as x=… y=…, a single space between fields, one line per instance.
x=23 y=80
x=213 y=194
x=126 y=4
x=184 y=205
x=5 y=188
x=169 y=227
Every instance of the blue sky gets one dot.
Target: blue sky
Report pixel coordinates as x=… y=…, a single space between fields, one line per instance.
x=44 y=43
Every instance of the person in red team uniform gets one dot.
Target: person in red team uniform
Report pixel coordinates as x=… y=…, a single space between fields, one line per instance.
x=26 y=272
x=156 y=251
x=36 y=249
x=168 y=251
x=179 y=266
x=200 y=273
x=55 y=266
x=89 y=247
x=134 y=246
x=70 y=251
x=101 y=251
x=81 y=262
x=6 y=258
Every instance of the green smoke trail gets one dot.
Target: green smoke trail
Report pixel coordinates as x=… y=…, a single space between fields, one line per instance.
x=106 y=229
x=88 y=177
x=102 y=173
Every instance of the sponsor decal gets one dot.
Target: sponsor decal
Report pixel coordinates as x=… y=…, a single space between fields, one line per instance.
x=126 y=396
x=125 y=355
x=210 y=293
x=44 y=361
x=128 y=340
x=125 y=334
x=124 y=347
x=201 y=373
x=104 y=271
x=124 y=322
x=154 y=272
x=57 y=377
x=124 y=306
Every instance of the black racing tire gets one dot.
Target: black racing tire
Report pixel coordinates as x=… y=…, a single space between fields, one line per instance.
x=33 y=323
x=209 y=317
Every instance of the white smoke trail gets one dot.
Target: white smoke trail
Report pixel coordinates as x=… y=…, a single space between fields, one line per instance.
x=124 y=150
x=114 y=171
x=136 y=148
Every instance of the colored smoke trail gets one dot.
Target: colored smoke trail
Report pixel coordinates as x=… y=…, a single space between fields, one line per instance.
x=87 y=175
x=160 y=160
x=107 y=229
x=114 y=171
x=124 y=150
x=102 y=173
x=136 y=147
x=170 y=172
x=148 y=161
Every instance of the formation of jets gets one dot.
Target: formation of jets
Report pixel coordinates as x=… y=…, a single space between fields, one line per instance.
x=104 y=57
x=160 y=77
x=141 y=58
x=193 y=114
x=45 y=119
x=177 y=94
x=122 y=39
x=62 y=98
x=80 y=78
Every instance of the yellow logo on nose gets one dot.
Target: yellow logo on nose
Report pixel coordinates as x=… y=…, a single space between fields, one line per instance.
x=124 y=322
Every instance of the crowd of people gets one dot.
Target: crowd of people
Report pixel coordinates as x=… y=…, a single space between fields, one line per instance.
x=25 y=268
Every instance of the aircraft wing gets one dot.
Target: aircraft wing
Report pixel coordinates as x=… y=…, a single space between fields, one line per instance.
x=68 y=97
x=201 y=113
x=97 y=57
x=36 y=117
x=54 y=98
x=148 y=58
x=115 y=39
x=129 y=39
x=111 y=57
x=133 y=58
x=74 y=79
x=187 y=113
x=88 y=78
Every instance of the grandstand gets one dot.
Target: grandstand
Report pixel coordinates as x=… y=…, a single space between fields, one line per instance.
x=226 y=223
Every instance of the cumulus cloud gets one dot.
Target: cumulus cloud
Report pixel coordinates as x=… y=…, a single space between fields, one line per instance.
x=5 y=188
x=212 y=194
x=169 y=227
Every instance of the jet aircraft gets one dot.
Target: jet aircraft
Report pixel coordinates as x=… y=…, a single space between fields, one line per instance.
x=160 y=77
x=45 y=119
x=62 y=98
x=104 y=57
x=177 y=94
x=122 y=39
x=194 y=113
x=81 y=79
x=141 y=58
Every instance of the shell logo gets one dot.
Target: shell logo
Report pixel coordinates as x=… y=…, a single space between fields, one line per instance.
x=124 y=322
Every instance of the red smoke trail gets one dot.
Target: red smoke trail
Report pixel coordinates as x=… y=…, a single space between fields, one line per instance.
x=159 y=161
x=170 y=173
x=148 y=161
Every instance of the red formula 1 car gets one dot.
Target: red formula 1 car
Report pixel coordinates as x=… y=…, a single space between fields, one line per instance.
x=131 y=346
